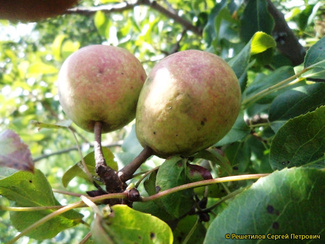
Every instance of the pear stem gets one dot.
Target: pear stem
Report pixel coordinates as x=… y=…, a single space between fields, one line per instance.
x=99 y=157
x=107 y=174
x=127 y=172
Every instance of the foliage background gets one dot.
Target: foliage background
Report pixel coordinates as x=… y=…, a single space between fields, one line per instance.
x=31 y=55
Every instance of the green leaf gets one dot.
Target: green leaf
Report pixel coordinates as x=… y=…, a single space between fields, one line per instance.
x=77 y=170
x=56 y=46
x=60 y=124
x=33 y=190
x=260 y=42
x=102 y=23
x=300 y=141
x=172 y=173
x=126 y=225
x=131 y=143
x=306 y=17
x=14 y=153
x=315 y=56
x=191 y=229
x=150 y=183
x=260 y=162
x=69 y=47
x=297 y=101
x=283 y=203
x=210 y=32
x=239 y=130
x=263 y=82
x=216 y=157
x=40 y=68
x=238 y=155
x=255 y=18
x=131 y=148
x=152 y=208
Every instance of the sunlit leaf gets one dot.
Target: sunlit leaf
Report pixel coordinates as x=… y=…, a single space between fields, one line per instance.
x=102 y=23
x=56 y=46
x=126 y=225
x=260 y=42
x=60 y=124
x=69 y=47
x=275 y=205
x=14 y=153
x=40 y=68
x=33 y=190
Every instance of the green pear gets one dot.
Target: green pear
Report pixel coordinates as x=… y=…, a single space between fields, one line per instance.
x=190 y=100
x=100 y=83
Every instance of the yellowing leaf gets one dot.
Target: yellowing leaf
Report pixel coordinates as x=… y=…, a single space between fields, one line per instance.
x=14 y=153
x=261 y=42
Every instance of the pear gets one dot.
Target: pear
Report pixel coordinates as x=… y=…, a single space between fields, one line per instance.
x=100 y=83
x=189 y=101
x=33 y=10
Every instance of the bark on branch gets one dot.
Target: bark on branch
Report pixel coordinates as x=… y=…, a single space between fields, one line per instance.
x=287 y=42
x=128 y=6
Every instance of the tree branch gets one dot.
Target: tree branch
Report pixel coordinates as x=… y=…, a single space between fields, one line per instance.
x=120 y=7
x=67 y=150
x=127 y=172
x=287 y=42
x=188 y=25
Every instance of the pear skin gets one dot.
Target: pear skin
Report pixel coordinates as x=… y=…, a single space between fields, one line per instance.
x=190 y=100
x=100 y=83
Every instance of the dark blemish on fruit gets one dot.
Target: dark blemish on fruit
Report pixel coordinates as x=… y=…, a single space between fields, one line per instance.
x=270 y=209
x=158 y=189
x=30 y=181
x=154 y=132
x=139 y=237
x=176 y=134
x=204 y=121
x=275 y=225
x=100 y=71
x=152 y=235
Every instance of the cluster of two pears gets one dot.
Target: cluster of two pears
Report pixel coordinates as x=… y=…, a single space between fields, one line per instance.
x=188 y=102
